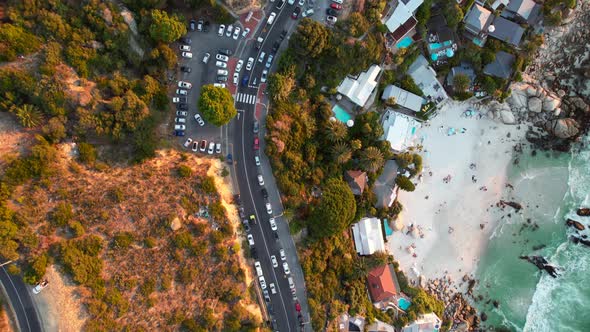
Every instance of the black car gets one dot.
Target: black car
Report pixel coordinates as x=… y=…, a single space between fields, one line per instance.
x=237 y=199
x=185 y=69
x=182 y=106
x=192 y=25
x=275 y=47
x=254 y=253
x=332 y=12
x=276 y=235
x=221 y=78
x=280 y=4
x=264 y=192
x=283 y=35
x=186 y=40
x=296 y=12
x=225 y=51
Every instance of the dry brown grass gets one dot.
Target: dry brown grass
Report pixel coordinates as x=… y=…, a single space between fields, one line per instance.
x=13 y=139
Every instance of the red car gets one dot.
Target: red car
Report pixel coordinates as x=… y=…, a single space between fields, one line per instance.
x=335 y=6
x=256 y=143
x=296 y=13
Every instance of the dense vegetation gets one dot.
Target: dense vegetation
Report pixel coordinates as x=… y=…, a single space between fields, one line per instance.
x=216 y=105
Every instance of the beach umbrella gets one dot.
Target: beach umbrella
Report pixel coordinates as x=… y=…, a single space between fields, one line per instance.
x=450 y=52
x=350 y=123
x=338 y=97
x=434 y=57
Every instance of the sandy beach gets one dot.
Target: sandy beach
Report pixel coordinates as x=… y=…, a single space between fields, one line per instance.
x=449 y=214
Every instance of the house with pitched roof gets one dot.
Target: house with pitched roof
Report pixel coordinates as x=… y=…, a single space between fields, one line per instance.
x=383 y=285
x=425 y=323
x=401 y=22
x=425 y=77
x=385 y=188
x=464 y=68
x=403 y=98
x=358 y=89
x=368 y=236
x=357 y=181
x=506 y=31
x=524 y=11
x=502 y=66
x=477 y=21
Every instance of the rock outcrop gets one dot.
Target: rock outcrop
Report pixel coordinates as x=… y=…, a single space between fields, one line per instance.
x=563 y=128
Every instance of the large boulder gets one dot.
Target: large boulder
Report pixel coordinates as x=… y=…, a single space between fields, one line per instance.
x=563 y=128
x=507 y=117
x=578 y=104
x=550 y=103
x=518 y=99
x=535 y=105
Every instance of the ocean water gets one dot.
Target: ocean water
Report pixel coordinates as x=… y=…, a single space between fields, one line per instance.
x=550 y=188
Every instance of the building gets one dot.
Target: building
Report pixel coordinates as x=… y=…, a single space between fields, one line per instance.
x=425 y=77
x=385 y=188
x=464 y=68
x=357 y=180
x=399 y=130
x=368 y=236
x=402 y=22
x=441 y=39
x=359 y=89
x=383 y=284
x=506 y=31
x=403 y=98
x=477 y=21
x=524 y=11
x=425 y=323
x=502 y=66
x=379 y=326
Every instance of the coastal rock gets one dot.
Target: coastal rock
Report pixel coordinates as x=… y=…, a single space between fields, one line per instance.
x=518 y=99
x=550 y=103
x=483 y=316
x=583 y=212
x=535 y=105
x=575 y=224
x=563 y=128
x=507 y=117
x=578 y=104
x=531 y=91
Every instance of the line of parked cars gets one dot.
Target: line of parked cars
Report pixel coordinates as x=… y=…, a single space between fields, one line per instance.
x=231 y=31
x=195 y=146
x=333 y=12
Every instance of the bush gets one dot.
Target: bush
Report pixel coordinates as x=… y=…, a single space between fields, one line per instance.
x=35 y=269
x=62 y=214
x=14 y=41
x=87 y=153
x=208 y=185
x=123 y=240
x=80 y=259
x=405 y=183
x=216 y=105
x=184 y=171
x=76 y=228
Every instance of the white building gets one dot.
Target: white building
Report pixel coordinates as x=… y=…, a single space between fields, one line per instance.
x=425 y=77
x=368 y=236
x=403 y=98
x=425 y=323
x=399 y=130
x=359 y=89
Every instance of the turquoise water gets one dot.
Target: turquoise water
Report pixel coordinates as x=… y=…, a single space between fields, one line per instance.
x=341 y=114
x=404 y=43
x=478 y=42
x=550 y=188
x=388 y=230
x=403 y=303
x=434 y=46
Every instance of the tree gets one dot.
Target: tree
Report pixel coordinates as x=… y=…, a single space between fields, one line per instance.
x=280 y=86
x=311 y=38
x=29 y=115
x=55 y=130
x=404 y=183
x=357 y=24
x=86 y=153
x=335 y=131
x=14 y=40
x=372 y=159
x=216 y=105
x=341 y=152
x=489 y=85
x=165 y=28
x=453 y=14
x=461 y=82
x=335 y=211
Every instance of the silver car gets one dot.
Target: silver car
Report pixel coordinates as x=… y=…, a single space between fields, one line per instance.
x=221 y=64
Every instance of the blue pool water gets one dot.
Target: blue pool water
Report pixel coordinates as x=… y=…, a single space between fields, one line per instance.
x=403 y=303
x=341 y=114
x=404 y=43
x=435 y=46
x=388 y=230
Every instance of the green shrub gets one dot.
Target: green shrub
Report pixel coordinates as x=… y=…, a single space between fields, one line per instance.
x=76 y=228
x=184 y=171
x=183 y=240
x=405 y=183
x=150 y=242
x=208 y=185
x=36 y=268
x=80 y=259
x=62 y=214
x=87 y=153
x=123 y=240
x=14 y=41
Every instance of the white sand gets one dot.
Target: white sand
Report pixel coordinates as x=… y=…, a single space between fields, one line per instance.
x=459 y=204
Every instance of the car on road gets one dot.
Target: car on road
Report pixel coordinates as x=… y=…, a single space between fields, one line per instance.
x=282 y=254
x=301 y=3
x=222 y=57
x=192 y=25
x=221 y=64
x=273 y=224
x=264 y=76
x=206 y=58
x=281 y=4
x=181 y=92
x=266 y=297
x=336 y=6
x=185 y=48
x=203 y=146
x=222 y=78
x=283 y=35
x=275 y=47
x=249 y=63
x=219 y=85
x=187 y=55
x=229 y=30
x=255 y=127
x=246 y=226
x=291 y=2
x=250 y=240
x=307 y=13
x=222 y=72
x=258 y=268
x=245 y=33
x=296 y=13
x=237 y=31
x=262 y=282
x=195 y=146
x=236 y=78
x=269 y=61
x=218 y=148
x=183 y=84
x=185 y=69
x=188 y=142
x=185 y=40
x=225 y=51
x=271 y=18
x=199 y=119
x=211 y=148
x=253 y=219
x=256 y=143
x=181 y=113
x=179 y=100
x=179 y=133
x=264 y=193
x=273 y=289
x=180 y=127
x=179 y=120
x=182 y=106
x=332 y=12
x=260 y=180
x=291 y=285
x=257 y=160
x=331 y=19
x=268 y=208
x=239 y=65
x=245 y=80
x=221 y=30
x=261 y=57
x=200 y=25
x=254 y=253
x=286 y=268
x=273 y=259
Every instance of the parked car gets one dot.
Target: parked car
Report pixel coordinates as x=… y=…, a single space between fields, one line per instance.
x=331 y=19
x=222 y=57
x=249 y=63
x=262 y=282
x=195 y=146
x=245 y=33
x=239 y=65
x=40 y=286
x=271 y=18
x=229 y=30
x=211 y=148
x=281 y=4
x=338 y=1
x=186 y=40
x=237 y=31
x=256 y=143
x=185 y=48
x=273 y=289
x=282 y=254
x=218 y=148
x=221 y=78
x=200 y=25
x=179 y=120
x=219 y=85
x=253 y=219
x=181 y=113
x=181 y=92
x=180 y=127
x=268 y=208
x=286 y=268
x=264 y=75
x=220 y=64
x=246 y=226
x=273 y=224
x=264 y=193
x=301 y=3
x=179 y=133
x=275 y=47
x=192 y=25
x=222 y=72
x=236 y=78
x=183 y=84
x=260 y=180
x=291 y=285
x=203 y=146
x=199 y=119
x=225 y=51
x=188 y=142
x=187 y=55
x=179 y=100
x=307 y=13
x=250 y=240
x=269 y=61
x=336 y=6
x=255 y=127
x=291 y=2
x=296 y=13
x=273 y=259
x=206 y=58
x=182 y=106
x=332 y=12
x=283 y=35
x=221 y=30
x=185 y=69
x=261 y=57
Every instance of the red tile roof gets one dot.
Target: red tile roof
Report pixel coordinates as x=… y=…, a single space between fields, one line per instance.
x=381 y=283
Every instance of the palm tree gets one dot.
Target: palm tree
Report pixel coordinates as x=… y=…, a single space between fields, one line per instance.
x=29 y=115
x=336 y=131
x=341 y=152
x=372 y=159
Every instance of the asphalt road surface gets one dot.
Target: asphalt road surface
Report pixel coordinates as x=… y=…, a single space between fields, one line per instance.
x=21 y=302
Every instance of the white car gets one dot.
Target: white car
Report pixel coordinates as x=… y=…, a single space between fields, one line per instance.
x=222 y=72
x=291 y=2
x=258 y=268
x=39 y=287
x=199 y=119
x=218 y=148
x=282 y=254
x=273 y=224
x=195 y=146
x=268 y=208
x=221 y=64
x=179 y=120
x=183 y=84
x=264 y=76
x=206 y=57
x=181 y=92
x=286 y=268
x=237 y=31
x=261 y=57
x=179 y=100
x=185 y=48
x=188 y=142
x=236 y=78
x=187 y=55
x=260 y=180
x=273 y=289
x=301 y=3
x=307 y=13
x=229 y=30
x=246 y=32
x=181 y=113
x=257 y=160
x=249 y=63
x=211 y=148
x=221 y=30
x=271 y=18
x=239 y=65
x=269 y=61
x=273 y=259
x=262 y=282
x=251 y=240
x=331 y=19
x=219 y=85
x=180 y=127
x=338 y=1
x=221 y=57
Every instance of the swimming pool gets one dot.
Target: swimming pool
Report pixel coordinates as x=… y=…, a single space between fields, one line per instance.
x=404 y=43
x=341 y=114
x=403 y=303
x=435 y=46
x=388 y=230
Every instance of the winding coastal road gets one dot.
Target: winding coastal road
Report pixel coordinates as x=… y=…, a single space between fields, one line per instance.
x=21 y=302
